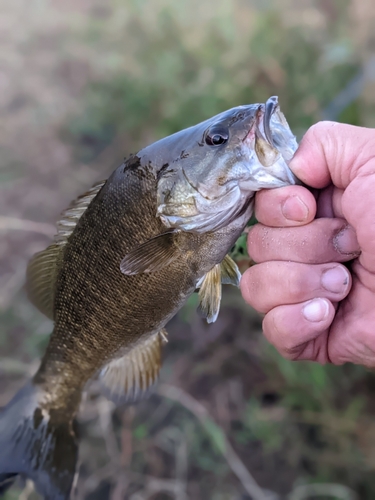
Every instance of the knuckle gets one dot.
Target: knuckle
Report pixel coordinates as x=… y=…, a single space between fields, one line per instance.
x=282 y=340
x=275 y=334
x=292 y=352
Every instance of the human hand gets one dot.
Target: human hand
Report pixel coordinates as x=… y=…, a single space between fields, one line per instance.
x=315 y=308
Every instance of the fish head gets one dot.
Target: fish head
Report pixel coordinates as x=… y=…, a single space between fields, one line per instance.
x=218 y=165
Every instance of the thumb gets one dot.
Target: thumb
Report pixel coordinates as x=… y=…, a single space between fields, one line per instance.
x=334 y=152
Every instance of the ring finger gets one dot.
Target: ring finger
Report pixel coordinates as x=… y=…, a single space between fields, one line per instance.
x=270 y=284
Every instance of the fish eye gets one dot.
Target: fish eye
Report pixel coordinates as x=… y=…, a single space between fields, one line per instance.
x=215 y=137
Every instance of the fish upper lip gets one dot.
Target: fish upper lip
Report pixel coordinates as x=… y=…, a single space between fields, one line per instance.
x=270 y=107
x=263 y=117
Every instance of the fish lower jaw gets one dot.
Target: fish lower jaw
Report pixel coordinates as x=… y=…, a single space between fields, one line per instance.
x=265 y=182
x=277 y=174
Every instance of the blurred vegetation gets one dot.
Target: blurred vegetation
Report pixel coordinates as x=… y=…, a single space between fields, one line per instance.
x=85 y=84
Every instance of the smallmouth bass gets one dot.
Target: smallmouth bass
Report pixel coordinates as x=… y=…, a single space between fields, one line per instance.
x=126 y=257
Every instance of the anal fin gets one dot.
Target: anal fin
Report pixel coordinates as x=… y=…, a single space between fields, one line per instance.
x=129 y=378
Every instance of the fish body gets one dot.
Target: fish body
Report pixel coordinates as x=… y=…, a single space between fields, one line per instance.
x=127 y=256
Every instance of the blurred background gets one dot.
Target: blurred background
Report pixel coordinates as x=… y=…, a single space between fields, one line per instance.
x=83 y=84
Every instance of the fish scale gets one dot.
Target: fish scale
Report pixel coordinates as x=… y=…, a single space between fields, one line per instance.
x=107 y=305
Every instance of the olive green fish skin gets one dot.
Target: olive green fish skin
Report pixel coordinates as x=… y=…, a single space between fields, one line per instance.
x=98 y=310
x=127 y=256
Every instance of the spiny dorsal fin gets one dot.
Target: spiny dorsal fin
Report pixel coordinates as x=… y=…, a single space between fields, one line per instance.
x=70 y=216
x=210 y=294
x=230 y=274
x=151 y=256
x=130 y=378
x=42 y=270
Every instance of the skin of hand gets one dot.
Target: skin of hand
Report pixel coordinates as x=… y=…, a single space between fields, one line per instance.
x=316 y=307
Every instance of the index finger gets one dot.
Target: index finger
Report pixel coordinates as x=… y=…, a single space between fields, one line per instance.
x=334 y=152
x=285 y=207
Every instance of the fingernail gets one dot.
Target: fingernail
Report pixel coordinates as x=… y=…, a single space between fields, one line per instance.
x=316 y=310
x=335 y=279
x=295 y=209
x=346 y=241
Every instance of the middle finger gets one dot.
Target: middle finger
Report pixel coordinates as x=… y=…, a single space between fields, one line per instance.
x=268 y=285
x=323 y=240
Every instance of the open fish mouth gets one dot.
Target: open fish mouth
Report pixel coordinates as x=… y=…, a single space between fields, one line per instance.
x=271 y=106
x=277 y=131
x=260 y=136
x=272 y=140
x=274 y=144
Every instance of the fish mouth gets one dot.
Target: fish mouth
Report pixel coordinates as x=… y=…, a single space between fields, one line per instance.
x=272 y=140
x=260 y=129
x=268 y=135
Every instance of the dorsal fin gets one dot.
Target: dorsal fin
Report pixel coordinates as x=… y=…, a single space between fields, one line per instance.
x=42 y=270
x=70 y=216
x=41 y=278
x=129 y=378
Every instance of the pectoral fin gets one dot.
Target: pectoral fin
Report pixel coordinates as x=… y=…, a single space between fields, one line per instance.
x=152 y=256
x=130 y=378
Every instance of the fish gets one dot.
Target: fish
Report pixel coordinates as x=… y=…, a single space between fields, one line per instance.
x=127 y=256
